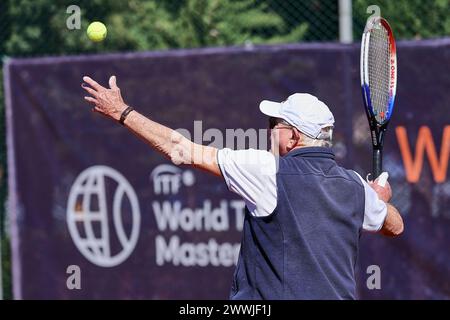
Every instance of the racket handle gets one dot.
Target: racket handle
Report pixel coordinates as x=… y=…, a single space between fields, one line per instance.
x=377 y=163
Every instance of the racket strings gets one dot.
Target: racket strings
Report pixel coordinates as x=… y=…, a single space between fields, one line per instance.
x=379 y=71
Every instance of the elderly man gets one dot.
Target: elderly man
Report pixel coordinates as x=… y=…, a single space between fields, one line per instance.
x=304 y=213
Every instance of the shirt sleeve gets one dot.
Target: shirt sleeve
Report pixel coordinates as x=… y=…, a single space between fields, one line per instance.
x=375 y=210
x=251 y=174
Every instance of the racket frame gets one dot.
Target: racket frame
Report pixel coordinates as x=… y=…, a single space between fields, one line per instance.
x=377 y=129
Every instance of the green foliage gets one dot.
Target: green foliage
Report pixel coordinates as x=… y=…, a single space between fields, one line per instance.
x=317 y=19
x=411 y=19
x=38 y=27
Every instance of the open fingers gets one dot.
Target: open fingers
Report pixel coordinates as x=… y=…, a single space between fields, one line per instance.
x=90 y=100
x=90 y=90
x=92 y=83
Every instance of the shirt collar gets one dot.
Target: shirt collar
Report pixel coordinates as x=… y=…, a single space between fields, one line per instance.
x=311 y=152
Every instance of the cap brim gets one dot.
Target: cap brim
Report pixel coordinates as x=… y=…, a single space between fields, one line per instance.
x=270 y=108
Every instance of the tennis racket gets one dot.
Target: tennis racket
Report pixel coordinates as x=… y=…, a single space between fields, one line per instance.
x=379 y=82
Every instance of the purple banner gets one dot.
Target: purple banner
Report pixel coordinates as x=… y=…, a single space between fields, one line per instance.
x=89 y=199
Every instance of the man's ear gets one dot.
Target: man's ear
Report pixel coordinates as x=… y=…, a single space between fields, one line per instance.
x=295 y=138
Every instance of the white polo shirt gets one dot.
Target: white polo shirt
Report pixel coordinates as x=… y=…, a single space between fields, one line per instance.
x=251 y=174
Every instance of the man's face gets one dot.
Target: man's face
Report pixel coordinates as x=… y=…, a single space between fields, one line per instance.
x=281 y=134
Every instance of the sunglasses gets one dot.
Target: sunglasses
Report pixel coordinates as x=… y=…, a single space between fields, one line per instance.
x=273 y=122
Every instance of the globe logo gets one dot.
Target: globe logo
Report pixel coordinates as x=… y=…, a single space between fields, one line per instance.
x=104 y=237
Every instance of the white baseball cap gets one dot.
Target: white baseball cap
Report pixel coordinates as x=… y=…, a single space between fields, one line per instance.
x=301 y=110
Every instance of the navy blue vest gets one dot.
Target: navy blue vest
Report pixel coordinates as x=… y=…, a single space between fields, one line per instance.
x=307 y=248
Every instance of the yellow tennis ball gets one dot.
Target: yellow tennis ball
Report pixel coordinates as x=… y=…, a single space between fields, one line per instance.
x=96 y=31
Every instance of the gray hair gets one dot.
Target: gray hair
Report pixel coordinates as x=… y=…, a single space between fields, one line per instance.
x=324 y=139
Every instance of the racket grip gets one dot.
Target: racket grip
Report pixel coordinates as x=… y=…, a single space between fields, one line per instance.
x=377 y=163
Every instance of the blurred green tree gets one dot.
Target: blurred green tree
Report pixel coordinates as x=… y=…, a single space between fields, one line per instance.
x=409 y=19
x=38 y=27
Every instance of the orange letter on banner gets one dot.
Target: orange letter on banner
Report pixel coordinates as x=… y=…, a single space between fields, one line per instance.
x=413 y=167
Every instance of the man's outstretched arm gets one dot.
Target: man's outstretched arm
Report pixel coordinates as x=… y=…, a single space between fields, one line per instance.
x=172 y=144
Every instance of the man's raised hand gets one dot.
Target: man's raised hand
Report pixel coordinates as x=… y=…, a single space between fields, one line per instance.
x=108 y=102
